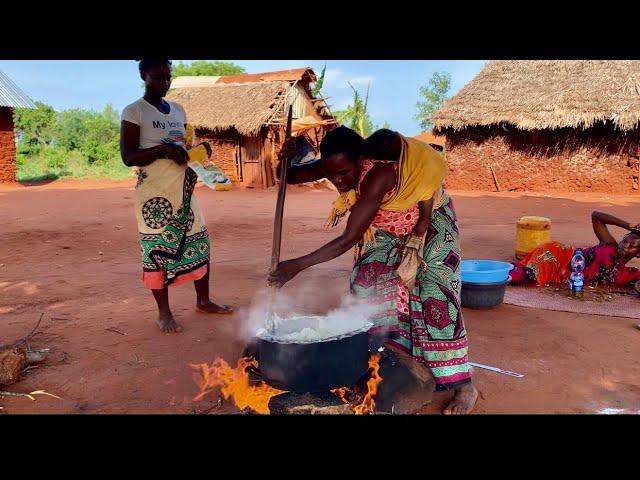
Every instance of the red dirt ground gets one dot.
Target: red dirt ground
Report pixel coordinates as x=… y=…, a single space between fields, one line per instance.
x=69 y=249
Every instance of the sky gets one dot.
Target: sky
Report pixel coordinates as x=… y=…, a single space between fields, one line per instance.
x=91 y=84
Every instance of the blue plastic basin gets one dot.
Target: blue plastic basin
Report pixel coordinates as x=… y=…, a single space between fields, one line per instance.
x=484 y=271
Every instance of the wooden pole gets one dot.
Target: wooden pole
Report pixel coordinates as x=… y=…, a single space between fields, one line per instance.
x=282 y=192
x=495 y=179
x=277 y=222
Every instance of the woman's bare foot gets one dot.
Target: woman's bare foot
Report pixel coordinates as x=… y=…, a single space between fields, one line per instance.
x=210 y=307
x=168 y=324
x=463 y=401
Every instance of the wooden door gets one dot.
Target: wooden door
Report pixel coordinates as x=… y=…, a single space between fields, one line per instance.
x=252 y=175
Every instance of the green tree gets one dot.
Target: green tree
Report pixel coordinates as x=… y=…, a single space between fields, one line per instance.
x=432 y=96
x=100 y=145
x=205 y=68
x=95 y=135
x=75 y=142
x=356 y=116
x=318 y=86
x=111 y=113
x=34 y=127
x=70 y=128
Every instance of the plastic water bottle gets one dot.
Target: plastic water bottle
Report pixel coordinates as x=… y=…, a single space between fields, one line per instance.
x=576 y=279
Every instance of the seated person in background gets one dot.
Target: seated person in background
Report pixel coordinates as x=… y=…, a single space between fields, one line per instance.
x=550 y=263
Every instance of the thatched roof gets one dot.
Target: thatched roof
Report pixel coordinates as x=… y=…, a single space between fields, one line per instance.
x=222 y=107
x=542 y=94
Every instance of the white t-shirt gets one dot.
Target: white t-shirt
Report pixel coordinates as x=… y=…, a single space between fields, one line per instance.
x=157 y=128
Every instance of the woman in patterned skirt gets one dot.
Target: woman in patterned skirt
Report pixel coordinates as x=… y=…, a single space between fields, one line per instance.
x=174 y=241
x=403 y=226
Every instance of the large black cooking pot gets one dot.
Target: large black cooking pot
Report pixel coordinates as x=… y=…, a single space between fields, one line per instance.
x=314 y=366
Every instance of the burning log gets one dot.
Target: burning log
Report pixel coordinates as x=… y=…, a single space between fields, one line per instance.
x=363 y=403
x=408 y=385
x=347 y=395
x=252 y=394
x=290 y=403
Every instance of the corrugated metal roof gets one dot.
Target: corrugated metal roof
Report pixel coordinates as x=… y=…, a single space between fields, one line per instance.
x=11 y=95
x=295 y=74
x=292 y=75
x=194 y=81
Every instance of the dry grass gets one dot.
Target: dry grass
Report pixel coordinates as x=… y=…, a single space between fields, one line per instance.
x=542 y=94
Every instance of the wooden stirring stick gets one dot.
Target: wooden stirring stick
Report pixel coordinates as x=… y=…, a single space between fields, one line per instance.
x=277 y=225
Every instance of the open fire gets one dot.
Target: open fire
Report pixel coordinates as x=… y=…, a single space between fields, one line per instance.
x=234 y=383
x=366 y=403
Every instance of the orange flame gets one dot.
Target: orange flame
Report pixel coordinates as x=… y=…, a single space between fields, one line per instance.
x=342 y=393
x=367 y=404
x=234 y=383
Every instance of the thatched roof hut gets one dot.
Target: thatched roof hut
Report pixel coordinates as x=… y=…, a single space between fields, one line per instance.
x=548 y=125
x=544 y=94
x=246 y=108
x=244 y=116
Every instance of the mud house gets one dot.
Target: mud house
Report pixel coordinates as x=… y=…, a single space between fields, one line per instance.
x=10 y=97
x=545 y=126
x=435 y=141
x=244 y=118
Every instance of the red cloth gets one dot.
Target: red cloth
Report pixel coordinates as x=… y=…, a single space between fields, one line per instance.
x=550 y=264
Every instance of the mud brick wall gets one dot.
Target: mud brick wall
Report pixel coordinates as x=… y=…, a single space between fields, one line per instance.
x=7 y=146
x=599 y=159
x=224 y=146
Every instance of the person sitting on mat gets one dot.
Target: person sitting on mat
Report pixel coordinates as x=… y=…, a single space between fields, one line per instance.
x=605 y=263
